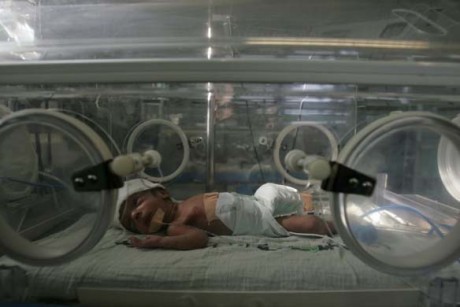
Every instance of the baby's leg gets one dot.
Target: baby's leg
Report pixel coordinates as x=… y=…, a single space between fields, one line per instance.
x=306 y=224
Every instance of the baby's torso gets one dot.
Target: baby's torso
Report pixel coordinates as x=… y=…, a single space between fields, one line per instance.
x=200 y=211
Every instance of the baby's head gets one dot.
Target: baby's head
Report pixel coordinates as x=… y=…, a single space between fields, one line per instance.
x=143 y=206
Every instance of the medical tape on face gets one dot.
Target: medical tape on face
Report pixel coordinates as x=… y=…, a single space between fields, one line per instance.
x=157 y=221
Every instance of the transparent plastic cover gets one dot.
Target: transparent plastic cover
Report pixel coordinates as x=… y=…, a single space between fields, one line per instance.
x=168 y=140
x=411 y=221
x=312 y=139
x=111 y=29
x=43 y=219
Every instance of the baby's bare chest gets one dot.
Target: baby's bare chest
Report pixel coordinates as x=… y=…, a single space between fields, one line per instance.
x=192 y=211
x=193 y=214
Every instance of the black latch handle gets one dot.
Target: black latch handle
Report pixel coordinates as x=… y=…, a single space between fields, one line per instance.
x=346 y=180
x=96 y=178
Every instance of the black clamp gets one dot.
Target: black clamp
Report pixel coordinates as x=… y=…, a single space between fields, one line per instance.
x=346 y=180
x=96 y=178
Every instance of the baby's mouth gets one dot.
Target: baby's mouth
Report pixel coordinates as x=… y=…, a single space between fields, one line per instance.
x=156 y=221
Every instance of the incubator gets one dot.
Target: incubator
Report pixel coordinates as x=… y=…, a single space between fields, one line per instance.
x=355 y=102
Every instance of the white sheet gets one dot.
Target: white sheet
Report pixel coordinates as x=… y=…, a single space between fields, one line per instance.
x=229 y=263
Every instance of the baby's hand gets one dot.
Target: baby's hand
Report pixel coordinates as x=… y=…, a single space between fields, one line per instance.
x=151 y=241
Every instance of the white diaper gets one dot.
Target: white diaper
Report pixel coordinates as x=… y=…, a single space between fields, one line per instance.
x=255 y=215
x=281 y=200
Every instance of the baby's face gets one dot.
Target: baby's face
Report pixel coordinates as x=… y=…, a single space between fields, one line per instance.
x=143 y=212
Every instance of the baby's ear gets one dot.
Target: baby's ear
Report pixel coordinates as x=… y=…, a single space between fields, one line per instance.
x=164 y=194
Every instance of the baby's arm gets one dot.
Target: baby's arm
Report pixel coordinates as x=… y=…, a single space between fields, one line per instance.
x=181 y=237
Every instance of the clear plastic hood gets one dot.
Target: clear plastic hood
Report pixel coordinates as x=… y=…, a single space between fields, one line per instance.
x=222 y=96
x=109 y=29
